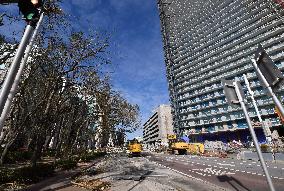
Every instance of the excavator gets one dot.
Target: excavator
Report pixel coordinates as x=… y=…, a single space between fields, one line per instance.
x=134 y=148
x=177 y=146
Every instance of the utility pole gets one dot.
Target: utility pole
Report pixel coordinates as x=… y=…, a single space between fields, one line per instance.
x=266 y=129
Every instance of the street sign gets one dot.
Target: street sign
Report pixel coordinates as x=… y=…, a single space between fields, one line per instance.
x=269 y=70
x=230 y=91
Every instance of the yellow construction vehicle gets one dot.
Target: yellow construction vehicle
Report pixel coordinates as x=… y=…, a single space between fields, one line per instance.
x=177 y=146
x=195 y=148
x=134 y=148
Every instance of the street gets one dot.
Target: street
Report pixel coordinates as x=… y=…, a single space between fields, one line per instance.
x=164 y=172
x=230 y=174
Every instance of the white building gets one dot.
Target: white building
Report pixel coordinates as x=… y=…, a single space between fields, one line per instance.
x=206 y=41
x=158 y=126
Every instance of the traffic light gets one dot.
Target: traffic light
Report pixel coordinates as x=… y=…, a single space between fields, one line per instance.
x=29 y=8
x=269 y=70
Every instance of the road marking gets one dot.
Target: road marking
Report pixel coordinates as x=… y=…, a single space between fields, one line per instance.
x=226 y=164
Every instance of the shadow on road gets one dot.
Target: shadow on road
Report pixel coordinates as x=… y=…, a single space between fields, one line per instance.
x=230 y=180
x=141 y=180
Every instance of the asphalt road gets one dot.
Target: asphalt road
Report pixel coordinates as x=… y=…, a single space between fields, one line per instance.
x=231 y=174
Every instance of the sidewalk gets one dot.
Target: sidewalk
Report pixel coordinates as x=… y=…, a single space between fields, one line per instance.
x=61 y=181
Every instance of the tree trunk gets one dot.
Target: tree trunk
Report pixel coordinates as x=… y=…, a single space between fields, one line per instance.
x=7 y=146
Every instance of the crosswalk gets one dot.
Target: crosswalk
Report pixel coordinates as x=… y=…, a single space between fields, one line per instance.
x=211 y=171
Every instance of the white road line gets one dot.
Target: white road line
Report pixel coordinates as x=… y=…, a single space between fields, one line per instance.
x=225 y=164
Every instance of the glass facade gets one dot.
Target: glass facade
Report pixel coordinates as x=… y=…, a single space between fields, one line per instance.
x=207 y=40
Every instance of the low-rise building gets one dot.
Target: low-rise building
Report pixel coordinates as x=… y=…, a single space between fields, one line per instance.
x=158 y=126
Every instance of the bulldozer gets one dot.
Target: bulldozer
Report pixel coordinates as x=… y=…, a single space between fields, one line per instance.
x=134 y=148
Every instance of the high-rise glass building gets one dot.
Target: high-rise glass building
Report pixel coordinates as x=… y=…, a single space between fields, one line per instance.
x=208 y=40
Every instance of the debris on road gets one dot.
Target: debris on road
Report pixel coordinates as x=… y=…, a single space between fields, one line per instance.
x=94 y=185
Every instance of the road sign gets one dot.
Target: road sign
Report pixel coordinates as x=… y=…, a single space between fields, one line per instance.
x=269 y=70
x=230 y=91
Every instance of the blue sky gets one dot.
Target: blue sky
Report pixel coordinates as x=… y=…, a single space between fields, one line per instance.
x=137 y=54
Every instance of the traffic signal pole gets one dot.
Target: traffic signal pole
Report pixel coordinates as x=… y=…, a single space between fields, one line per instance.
x=266 y=129
x=267 y=86
x=12 y=91
x=254 y=138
